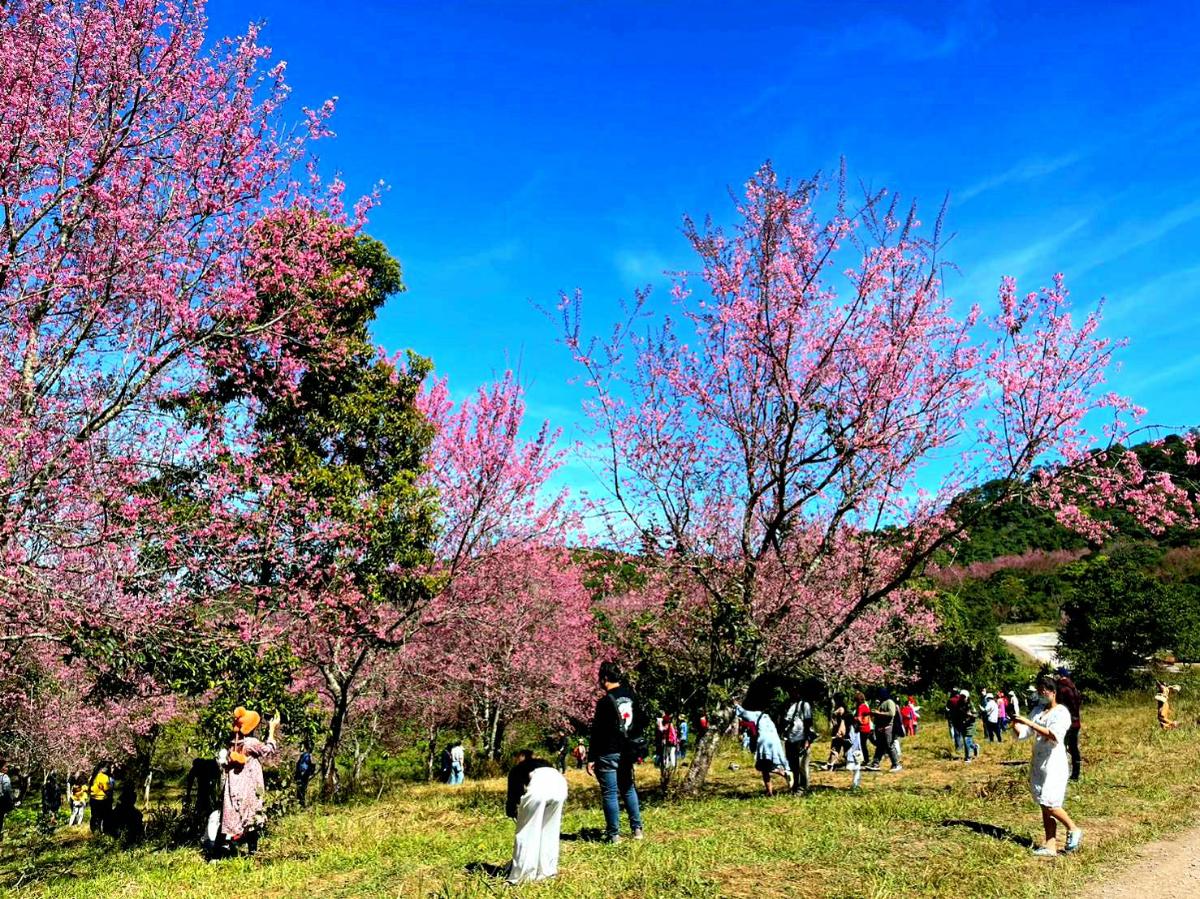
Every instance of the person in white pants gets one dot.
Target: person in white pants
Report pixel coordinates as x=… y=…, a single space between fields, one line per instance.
x=536 y=795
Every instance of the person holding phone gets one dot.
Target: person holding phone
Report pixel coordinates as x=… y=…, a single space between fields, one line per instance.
x=1050 y=769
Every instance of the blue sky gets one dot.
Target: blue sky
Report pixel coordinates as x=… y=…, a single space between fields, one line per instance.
x=536 y=147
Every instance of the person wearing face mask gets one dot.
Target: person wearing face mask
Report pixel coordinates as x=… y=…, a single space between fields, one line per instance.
x=1050 y=769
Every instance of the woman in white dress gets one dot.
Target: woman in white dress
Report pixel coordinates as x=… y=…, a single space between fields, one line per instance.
x=1050 y=769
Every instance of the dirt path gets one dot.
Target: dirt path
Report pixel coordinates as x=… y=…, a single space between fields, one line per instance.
x=1168 y=869
x=1043 y=647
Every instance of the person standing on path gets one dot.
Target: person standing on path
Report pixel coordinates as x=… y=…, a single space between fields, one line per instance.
x=798 y=735
x=536 y=796
x=1069 y=696
x=614 y=746
x=1050 y=770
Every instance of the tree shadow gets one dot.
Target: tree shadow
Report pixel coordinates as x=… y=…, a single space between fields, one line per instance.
x=995 y=831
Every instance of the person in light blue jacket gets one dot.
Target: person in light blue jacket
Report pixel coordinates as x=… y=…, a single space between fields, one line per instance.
x=769 y=757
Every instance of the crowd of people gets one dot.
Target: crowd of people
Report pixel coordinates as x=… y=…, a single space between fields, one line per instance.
x=226 y=794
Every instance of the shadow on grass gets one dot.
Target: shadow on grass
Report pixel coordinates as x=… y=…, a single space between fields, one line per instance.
x=487 y=869
x=585 y=835
x=995 y=831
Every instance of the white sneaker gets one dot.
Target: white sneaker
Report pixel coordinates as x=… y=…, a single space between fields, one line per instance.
x=1074 y=838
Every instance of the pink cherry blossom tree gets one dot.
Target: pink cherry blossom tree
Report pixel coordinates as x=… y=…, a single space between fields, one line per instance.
x=788 y=449
x=146 y=187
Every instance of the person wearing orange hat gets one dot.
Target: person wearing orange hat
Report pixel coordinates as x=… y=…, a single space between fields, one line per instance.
x=242 y=801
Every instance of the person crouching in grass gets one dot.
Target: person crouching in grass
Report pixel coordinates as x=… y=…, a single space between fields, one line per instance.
x=1051 y=769
x=536 y=795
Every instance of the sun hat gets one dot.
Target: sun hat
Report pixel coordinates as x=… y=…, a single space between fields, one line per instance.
x=244 y=721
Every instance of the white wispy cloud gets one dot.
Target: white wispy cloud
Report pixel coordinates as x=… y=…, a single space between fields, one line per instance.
x=1026 y=170
x=640 y=266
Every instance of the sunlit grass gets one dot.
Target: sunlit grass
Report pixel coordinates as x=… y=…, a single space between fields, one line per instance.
x=895 y=838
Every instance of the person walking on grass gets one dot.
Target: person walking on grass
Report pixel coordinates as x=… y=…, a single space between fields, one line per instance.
x=614 y=747
x=965 y=725
x=1050 y=769
x=683 y=736
x=1002 y=713
x=884 y=721
x=798 y=735
x=1069 y=696
x=862 y=711
x=536 y=796
x=769 y=756
x=841 y=726
x=952 y=715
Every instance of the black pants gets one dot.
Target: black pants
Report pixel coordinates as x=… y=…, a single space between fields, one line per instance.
x=302 y=790
x=798 y=758
x=101 y=810
x=1072 y=744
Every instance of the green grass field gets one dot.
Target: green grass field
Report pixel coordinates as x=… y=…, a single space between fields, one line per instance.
x=939 y=828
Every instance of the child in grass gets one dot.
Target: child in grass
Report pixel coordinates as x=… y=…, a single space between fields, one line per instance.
x=1051 y=769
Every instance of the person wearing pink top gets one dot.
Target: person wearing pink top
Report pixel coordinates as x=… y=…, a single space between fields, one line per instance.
x=242 y=801
x=1002 y=709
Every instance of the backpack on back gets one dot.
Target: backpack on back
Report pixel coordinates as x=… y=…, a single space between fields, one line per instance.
x=631 y=743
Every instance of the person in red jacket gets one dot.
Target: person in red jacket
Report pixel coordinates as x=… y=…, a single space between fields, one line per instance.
x=908 y=717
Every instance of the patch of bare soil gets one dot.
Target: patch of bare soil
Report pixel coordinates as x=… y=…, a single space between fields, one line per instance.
x=1167 y=869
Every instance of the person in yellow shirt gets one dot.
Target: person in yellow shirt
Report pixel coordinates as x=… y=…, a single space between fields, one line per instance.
x=100 y=793
x=79 y=799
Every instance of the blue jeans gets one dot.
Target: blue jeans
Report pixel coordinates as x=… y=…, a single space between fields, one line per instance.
x=456 y=776
x=970 y=747
x=615 y=775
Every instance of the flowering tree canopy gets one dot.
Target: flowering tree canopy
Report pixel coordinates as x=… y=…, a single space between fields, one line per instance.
x=773 y=447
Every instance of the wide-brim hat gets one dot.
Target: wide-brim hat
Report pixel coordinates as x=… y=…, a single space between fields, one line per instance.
x=245 y=721
x=1161 y=697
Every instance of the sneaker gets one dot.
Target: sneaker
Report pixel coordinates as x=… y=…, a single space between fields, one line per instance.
x=870 y=767
x=613 y=840
x=898 y=768
x=791 y=780
x=637 y=834
x=1074 y=838
x=1045 y=852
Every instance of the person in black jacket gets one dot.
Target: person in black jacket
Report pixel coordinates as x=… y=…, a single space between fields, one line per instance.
x=614 y=748
x=536 y=795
